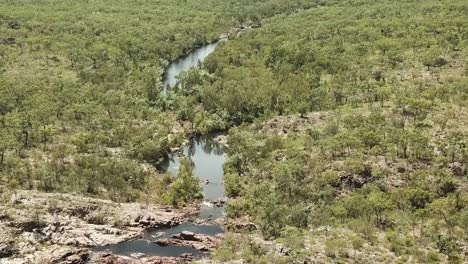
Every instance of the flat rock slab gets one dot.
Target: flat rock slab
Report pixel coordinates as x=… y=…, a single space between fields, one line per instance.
x=71 y=223
x=116 y=259
x=200 y=242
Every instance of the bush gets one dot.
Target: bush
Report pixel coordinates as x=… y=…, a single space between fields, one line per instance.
x=186 y=188
x=336 y=248
x=232 y=184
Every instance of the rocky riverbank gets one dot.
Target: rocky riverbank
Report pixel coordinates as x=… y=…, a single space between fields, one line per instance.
x=200 y=242
x=61 y=228
x=114 y=259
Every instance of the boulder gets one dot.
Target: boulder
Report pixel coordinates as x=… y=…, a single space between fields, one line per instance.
x=200 y=242
x=220 y=202
x=151 y=221
x=158 y=234
x=162 y=242
x=187 y=235
x=201 y=247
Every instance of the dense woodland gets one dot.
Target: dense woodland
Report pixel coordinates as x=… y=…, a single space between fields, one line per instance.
x=80 y=87
x=374 y=142
x=348 y=120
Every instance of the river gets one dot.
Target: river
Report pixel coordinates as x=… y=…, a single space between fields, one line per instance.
x=208 y=158
x=185 y=63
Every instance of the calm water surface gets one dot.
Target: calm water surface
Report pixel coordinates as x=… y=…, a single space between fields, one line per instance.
x=185 y=63
x=208 y=158
x=147 y=246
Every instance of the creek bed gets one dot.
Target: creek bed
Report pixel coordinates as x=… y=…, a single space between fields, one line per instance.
x=186 y=62
x=208 y=158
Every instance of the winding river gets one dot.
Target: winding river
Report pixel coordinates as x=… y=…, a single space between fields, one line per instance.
x=208 y=158
x=185 y=63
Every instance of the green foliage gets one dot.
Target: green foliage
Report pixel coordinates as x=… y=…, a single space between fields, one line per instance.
x=365 y=102
x=80 y=87
x=299 y=63
x=399 y=245
x=361 y=129
x=186 y=188
x=336 y=248
x=232 y=185
x=379 y=203
x=293 y=238
x=13 y=184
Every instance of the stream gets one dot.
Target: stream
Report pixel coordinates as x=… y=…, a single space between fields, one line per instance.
x=186 y=62
x=208 y=158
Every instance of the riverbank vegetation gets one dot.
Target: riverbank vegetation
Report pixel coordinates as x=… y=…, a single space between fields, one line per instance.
x=80 y=83
x=358 y=151
x=381 y=163
x=349 y=119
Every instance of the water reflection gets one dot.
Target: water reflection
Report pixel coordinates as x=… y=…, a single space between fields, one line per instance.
x=191 y=60
x=205 y=143
x=146 y=247
x=208 y=158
